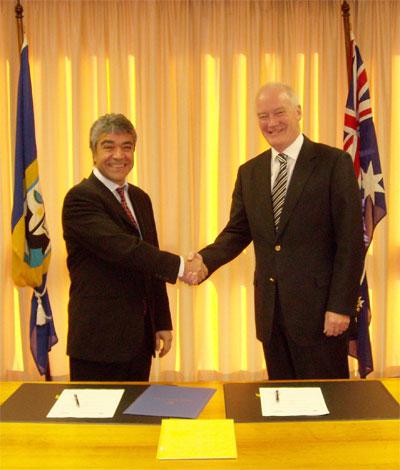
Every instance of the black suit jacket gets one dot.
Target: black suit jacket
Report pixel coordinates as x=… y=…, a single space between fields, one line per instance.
x=116 y=277
x=315 y=259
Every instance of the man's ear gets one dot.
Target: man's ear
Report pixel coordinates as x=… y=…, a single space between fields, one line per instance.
x=299 y=112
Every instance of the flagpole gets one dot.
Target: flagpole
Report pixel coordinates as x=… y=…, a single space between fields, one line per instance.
x=347 y=40
x=19 y=14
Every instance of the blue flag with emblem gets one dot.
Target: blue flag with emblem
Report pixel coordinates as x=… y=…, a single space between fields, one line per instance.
x=30 y=237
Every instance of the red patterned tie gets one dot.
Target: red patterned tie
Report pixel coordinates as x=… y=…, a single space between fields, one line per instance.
x=121 y=192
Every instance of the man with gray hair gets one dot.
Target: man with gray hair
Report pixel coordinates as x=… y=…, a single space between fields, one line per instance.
x=118 y=312
x=299 y=203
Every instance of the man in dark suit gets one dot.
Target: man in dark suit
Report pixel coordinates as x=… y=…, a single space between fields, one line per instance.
x=118 y=309
x=299 y=203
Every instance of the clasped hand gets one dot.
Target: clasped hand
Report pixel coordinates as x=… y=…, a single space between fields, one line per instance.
x=195 y=270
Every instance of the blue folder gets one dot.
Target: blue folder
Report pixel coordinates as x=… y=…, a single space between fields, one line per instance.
x=171 y=401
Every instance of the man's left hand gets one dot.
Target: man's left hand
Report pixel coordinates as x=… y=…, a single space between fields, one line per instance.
x=335 y=323
x=166 y=337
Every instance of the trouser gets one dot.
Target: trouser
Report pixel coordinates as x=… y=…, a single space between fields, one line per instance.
x=287 y=360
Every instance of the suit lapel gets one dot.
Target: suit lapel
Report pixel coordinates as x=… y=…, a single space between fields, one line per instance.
x=106 y=194
x=305 y=164
x=113 y=202
x=140 y=211
x=263 y=181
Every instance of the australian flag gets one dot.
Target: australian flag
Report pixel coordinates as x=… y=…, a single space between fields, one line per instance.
x=360 y=142
x=30 y=236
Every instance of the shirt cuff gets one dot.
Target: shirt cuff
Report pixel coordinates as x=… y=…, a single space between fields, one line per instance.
x=181 y=267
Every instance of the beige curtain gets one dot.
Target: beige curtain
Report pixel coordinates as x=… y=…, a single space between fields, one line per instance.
x=186 y=72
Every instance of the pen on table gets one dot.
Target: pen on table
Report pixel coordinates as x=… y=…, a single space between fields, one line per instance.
x=276 y=395
x=76 y=399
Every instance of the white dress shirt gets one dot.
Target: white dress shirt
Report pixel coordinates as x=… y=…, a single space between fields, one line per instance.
x=292 y=152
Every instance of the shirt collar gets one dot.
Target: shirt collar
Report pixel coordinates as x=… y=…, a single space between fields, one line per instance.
x=293 y=150
x=111 y=185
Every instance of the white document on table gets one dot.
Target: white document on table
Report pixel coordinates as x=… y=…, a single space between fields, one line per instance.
x=292 y=401
x=86 y=403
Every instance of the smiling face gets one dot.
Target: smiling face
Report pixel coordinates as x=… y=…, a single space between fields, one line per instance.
x=113 y=156
x=278 y=117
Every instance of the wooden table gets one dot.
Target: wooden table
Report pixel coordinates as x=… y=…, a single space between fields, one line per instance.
x=284 y=445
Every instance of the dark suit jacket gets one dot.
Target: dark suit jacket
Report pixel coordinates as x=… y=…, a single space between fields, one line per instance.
x=315 y=259
x=115 y=276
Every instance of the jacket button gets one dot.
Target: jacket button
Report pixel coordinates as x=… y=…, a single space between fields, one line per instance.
x=271 y=279
x=277 y=248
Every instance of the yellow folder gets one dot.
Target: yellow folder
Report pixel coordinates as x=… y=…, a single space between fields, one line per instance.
x=197 y=439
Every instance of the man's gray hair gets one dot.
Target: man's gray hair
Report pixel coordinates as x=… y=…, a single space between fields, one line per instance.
x=108 y=124
x=285 y=89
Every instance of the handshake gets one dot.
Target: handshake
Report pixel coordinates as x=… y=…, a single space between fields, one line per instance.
x=195 y=270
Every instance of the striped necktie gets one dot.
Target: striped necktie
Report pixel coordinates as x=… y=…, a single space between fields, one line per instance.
x=279 y=189
x=121 y=192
